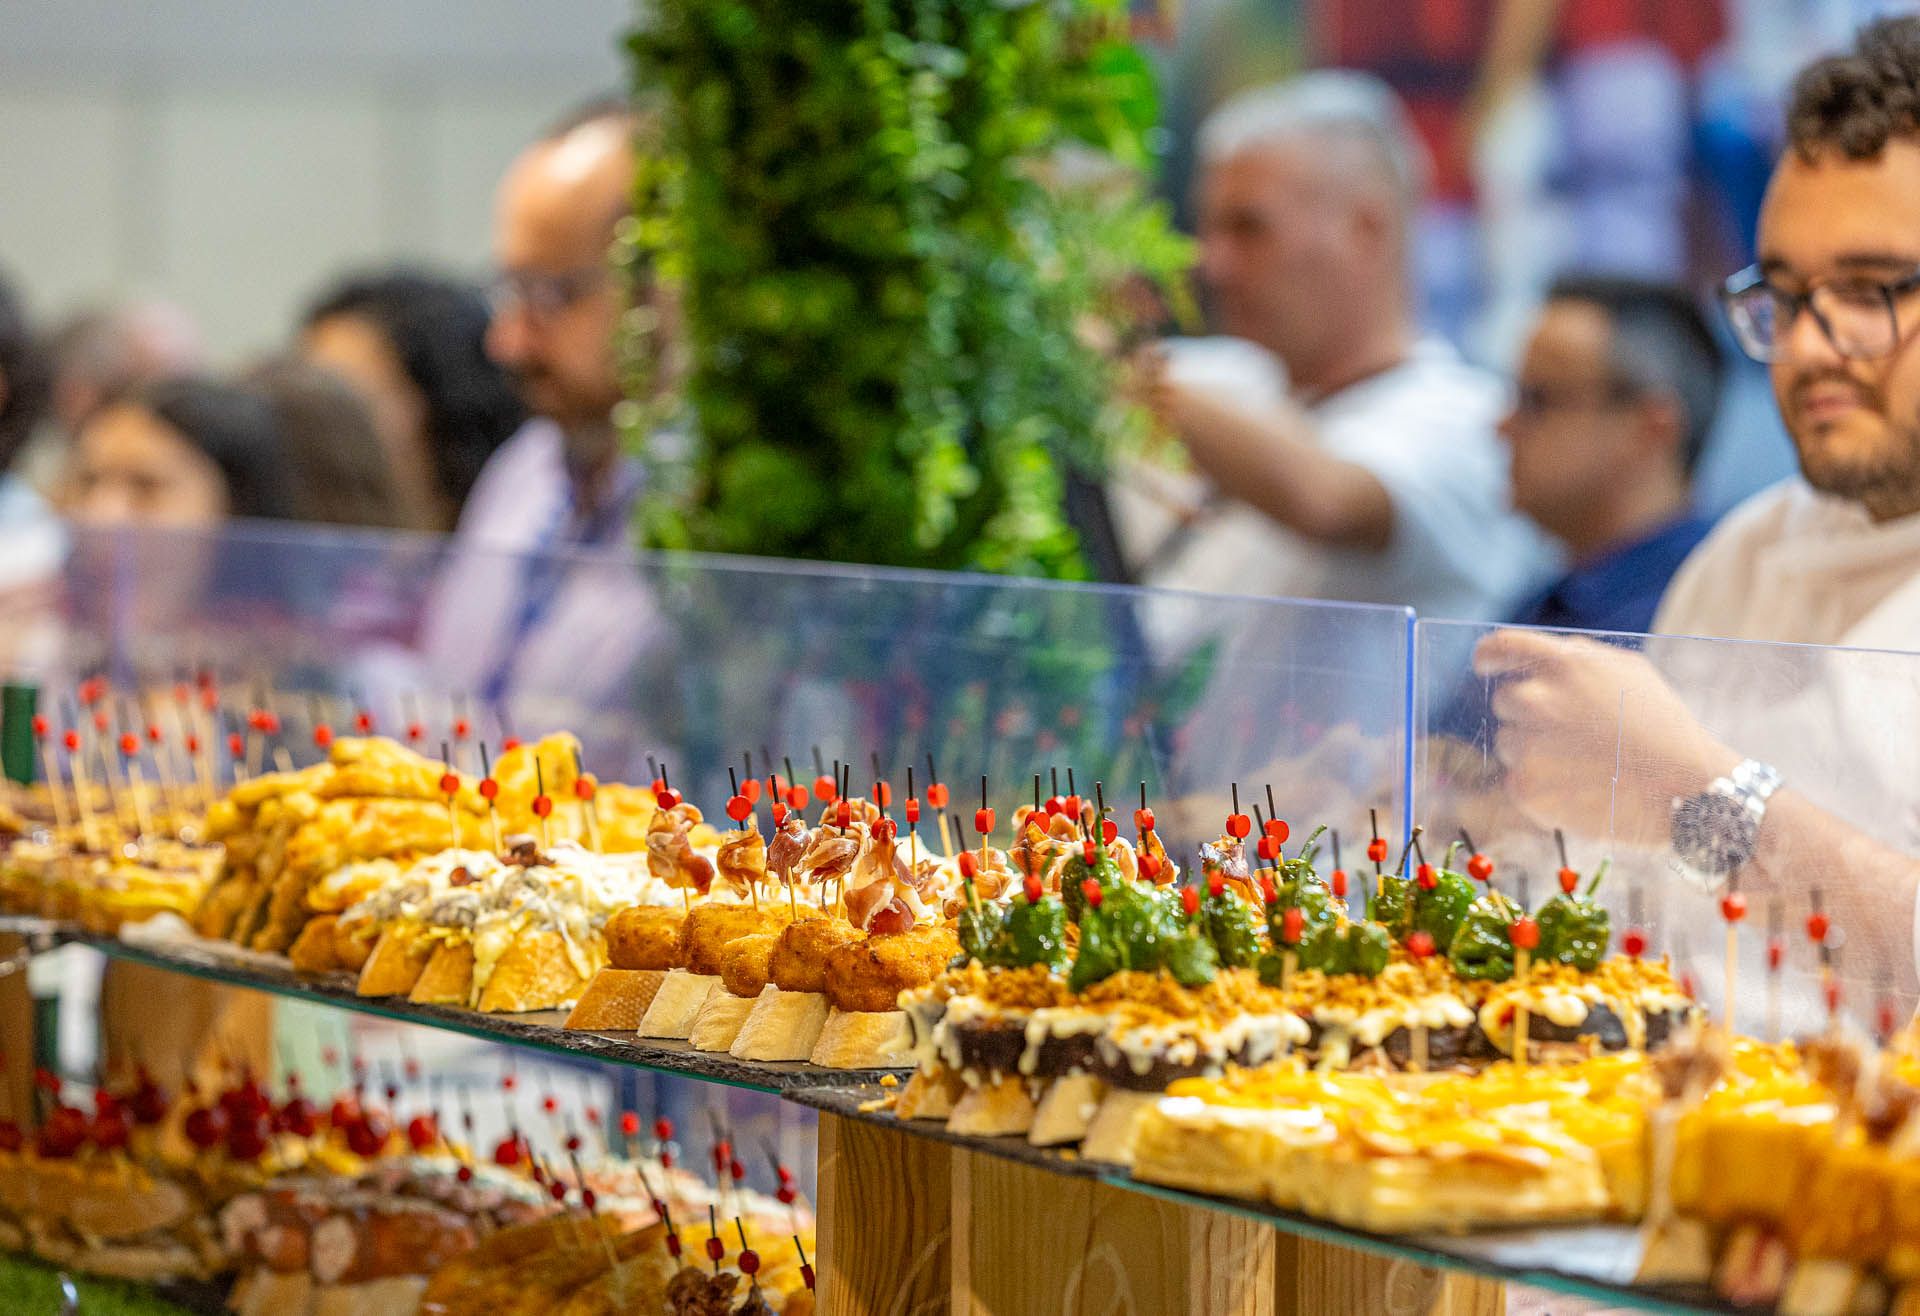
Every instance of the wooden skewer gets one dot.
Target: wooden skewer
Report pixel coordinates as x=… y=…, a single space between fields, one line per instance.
x=53 y=786
x=136 y=787
x=83 y=794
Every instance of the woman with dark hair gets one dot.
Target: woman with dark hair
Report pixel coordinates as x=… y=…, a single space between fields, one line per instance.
x=414 y=344
x=340 y=470
x=186 y=453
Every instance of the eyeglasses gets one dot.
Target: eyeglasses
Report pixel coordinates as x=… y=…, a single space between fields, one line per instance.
x=543 y=296
x=1857 y=316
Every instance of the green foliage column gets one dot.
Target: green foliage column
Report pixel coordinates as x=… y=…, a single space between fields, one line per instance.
x=886 y=284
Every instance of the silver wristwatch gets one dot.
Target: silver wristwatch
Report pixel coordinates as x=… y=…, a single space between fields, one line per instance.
x=1716 y=831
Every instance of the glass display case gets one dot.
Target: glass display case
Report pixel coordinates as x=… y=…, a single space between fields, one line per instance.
x=1354 y=717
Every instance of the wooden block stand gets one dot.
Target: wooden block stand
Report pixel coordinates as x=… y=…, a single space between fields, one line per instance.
x=909 y=1226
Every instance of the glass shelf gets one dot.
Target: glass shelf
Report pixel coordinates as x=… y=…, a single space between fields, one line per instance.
x=541 y=1030
x=1587 y=1261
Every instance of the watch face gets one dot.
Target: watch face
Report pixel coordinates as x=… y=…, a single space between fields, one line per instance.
x=1714 y=833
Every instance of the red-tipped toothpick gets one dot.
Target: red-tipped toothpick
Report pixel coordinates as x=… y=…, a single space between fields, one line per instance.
x=584 y=789
x=40 y=728
x=1776 y=962
x=542 y=804
x=983 y=822
x=450 y=787
x=937 y=801
x=490 y=792
x=1733 y=908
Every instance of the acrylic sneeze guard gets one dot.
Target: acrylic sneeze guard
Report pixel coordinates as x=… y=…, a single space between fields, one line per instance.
x=698 y=661
x=1839 y=725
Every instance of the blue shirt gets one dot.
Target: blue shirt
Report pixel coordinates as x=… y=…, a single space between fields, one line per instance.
x=1619 y=590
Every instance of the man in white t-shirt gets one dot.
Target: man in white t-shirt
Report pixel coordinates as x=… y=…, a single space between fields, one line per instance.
x=1830 y=557
x=1379 y=477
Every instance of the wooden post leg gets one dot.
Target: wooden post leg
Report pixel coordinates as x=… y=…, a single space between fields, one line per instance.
x=1033 y=1243
x=910 y=1227
x=16 y=1041
x=883 y=1233
x=1317 y=1277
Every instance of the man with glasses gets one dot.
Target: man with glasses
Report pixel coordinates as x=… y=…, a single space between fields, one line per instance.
x=1616 y=394
x=510 y=618
x=1671 y=750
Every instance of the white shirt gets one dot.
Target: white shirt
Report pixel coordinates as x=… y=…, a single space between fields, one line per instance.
x=1801 y=567
x=1425 y=430
x=1795 y=565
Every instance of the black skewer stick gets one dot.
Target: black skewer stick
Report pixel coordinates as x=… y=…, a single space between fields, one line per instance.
x=1400 y=868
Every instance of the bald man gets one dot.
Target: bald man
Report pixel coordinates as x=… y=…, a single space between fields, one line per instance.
x=1378 y=475
x=506 y=623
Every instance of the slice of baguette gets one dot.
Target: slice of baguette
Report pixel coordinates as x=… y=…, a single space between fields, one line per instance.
x=781 y=1025
x=312 y=950
x=677 y=1004
x=535 y=973
x=929 y=1095
x=398 y=1295
x=273 y=1293
x=858 y=1039
x=1067 y=1110
x=1002 y=1107
x=448 y=977
x=1679 y=1251
x=719 y=1021
x=1824 y=1288
x=617 y=999
x=1109 y=1135
x=1752 y=1268
x=395 y=965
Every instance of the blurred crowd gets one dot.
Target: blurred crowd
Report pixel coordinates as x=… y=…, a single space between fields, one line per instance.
x=1327 y=440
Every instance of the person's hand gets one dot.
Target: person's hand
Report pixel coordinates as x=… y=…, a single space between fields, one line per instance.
x=1591 y=737
x=1145 y=379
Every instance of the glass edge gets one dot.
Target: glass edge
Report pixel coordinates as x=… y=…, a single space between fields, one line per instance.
x=1422 y=1252
x=376 y=1007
